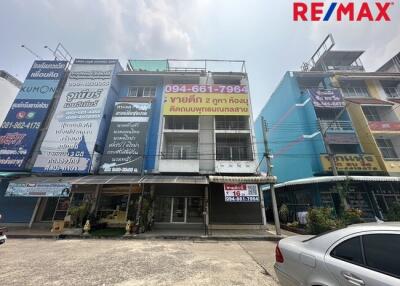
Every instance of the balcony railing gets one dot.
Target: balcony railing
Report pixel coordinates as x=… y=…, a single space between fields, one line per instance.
x=179 y=155
x=234 y=153
x=355 y=92
x=392 y=92
x=336 y=125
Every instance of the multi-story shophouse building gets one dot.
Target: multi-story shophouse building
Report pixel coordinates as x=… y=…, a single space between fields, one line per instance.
x=332 y=122
x=167 y=142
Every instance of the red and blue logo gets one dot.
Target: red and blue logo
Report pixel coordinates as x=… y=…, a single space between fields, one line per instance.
x=349 y=11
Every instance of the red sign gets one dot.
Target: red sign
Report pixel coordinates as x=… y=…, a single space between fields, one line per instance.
x=384 y=126
x=350 y=11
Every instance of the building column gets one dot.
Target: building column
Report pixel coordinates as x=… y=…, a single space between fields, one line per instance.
x=262 y=206
x=95 y=206
x=275 y=210
x=206 y=210
x=35 y=210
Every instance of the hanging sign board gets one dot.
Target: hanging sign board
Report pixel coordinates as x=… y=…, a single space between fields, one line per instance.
x=246 y=193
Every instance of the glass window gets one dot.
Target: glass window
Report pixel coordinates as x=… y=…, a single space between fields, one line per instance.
x=349 y=250
x=142 y=91
x=387 y=148
x=371 y=113
x=182 y=122
x=382 y=252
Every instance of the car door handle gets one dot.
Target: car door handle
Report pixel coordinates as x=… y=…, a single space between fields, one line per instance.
x=354 y=280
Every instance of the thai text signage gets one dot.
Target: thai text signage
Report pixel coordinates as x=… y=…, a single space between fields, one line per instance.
x=126 y=140
x=38 y=190
x=68 y=146
x=244 y=193
x=341 y=138
x=191 y=99
x=326 y=98
x=384 y=126
x=20 y=129
x=351 y=163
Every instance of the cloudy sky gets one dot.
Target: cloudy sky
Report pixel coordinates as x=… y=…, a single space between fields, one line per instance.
x=259 y=31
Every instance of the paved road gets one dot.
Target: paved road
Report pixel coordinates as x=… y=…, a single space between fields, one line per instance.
x=136 y=262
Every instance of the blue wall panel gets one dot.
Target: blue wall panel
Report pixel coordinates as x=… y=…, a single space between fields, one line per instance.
x=15 y=210
x=152 y=139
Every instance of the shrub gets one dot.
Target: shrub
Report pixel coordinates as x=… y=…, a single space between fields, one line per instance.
x=284 y=213
x=320 y=220
x=352 y=216
x=393 y=213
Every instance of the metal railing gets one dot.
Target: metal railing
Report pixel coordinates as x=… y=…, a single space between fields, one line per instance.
x=231 y=125
x=234 y=153
x=180 y=156
x=392 y=92
x=355 y=92
x=336 y=125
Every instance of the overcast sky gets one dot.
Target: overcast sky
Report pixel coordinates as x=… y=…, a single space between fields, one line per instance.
x=259 y=31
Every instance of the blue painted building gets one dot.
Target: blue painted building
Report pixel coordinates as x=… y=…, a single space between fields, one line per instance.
x=316 y=137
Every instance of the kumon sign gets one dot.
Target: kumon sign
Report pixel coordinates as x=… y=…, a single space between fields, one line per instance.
x=351 y=163
x=193 y=99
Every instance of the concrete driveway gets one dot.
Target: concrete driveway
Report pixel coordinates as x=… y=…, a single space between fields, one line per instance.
x=136 y=262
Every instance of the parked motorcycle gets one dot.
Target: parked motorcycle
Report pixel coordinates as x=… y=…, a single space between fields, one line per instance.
x=3 y=237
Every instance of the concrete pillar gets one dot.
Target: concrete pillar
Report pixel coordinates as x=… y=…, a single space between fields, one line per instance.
x=275 y=210
x=35 y=210
x=262 y=206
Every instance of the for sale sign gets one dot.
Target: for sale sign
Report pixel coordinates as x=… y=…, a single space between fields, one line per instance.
x=244 y=193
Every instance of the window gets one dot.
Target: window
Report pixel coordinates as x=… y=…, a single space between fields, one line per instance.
x=234 y=149
x=371 y=113
x=382 y=253
x=349 y=250
x=181 y=151
x=231 y=122
x=344 y=148
x=142 y=91
x=182 y=122
x=387 y=149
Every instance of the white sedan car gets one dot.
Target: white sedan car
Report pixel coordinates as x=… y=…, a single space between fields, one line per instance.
x=362 y=254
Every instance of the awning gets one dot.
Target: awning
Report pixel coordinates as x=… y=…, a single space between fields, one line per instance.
x=243 y=179
x=332 y=179
x=116 y=180
x=12 y=174
x=369 y=101
x=161 y=179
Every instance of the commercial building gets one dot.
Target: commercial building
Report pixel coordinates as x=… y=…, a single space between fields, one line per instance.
x=332 y=122
x=168 y=142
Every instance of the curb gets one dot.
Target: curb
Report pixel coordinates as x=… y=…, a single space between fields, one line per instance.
x=157 y=237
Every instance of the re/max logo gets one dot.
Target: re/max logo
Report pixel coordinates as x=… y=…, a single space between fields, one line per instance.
x=321 y=11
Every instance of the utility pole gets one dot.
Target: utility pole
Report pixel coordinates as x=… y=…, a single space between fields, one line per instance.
x=268 y=158
x=331 y=156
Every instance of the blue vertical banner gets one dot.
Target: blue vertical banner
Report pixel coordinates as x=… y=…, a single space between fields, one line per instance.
x=20 y=129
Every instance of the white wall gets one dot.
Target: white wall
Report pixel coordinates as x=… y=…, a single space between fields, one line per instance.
x=8 y=92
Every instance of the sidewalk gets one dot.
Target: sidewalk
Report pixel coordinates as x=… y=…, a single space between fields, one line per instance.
x=179 y=234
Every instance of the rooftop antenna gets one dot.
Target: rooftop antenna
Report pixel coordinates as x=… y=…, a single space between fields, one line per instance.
x=60 y=53
x=32 y=52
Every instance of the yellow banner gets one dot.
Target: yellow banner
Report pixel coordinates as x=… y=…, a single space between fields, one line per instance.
x=206 y=104
x=351 y=163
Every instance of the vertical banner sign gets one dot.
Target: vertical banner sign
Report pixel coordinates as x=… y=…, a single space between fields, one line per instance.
x=69 y=143
x=326 y=98
x=243 y=193
x=20 y=129
x=126 y=140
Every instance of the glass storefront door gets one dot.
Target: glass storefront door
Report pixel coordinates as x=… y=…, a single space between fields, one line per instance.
x=179 y=209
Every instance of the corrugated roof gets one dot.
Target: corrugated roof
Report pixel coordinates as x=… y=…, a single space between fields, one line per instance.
x=330 y=179
x=117 y=180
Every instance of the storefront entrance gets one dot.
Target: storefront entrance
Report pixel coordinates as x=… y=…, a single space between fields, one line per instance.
x=179 y=210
